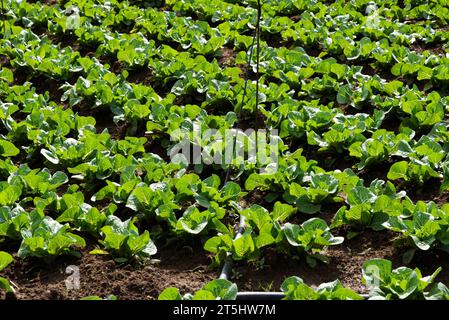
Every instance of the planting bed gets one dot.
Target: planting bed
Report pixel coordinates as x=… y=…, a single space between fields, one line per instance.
x=95 y=97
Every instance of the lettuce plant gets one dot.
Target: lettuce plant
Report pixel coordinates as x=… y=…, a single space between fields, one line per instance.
x=5 y=260
x=12 y=221
x=323 y=188
x=123 y=241
x=294 y=288
x=425 y=227
x=386 y=283
x=219 y=289
x=151 y=199
x=265 y=229
x=370 y=207
x=47 y=238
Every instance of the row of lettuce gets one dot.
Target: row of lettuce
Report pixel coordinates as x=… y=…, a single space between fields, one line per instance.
x=121 y=172
x=418 y=149
x=37 y=202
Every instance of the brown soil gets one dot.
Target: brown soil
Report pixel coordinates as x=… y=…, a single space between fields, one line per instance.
x=100 y=276
x=371 y=68
x=247 y=72
x=430 y=191
x=276 y=41
x=314 y=51
x=154 y=146
x=375 y=171
x=391 y=122
x=140 y=76
x=327 y=160
x=435 y=48
x=256 y=197
x=65 y=40
x=227 y=57
x=187 y=269
x=295 y=18
x=249 y=121
x=117 y=131
x=43 y=84
x=4 y=61
x=50 y=2
x=165 y=7
x=117 y=67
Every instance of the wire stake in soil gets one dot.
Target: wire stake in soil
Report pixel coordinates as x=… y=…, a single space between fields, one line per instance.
x=227 y=267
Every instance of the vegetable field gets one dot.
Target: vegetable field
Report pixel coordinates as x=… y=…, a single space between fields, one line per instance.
x=96 y=98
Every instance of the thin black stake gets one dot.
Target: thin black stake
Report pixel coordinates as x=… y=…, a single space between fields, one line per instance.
x=256 y=38
x=227 y=267
x=239 y=115
x=256 y=111
x=3 y=18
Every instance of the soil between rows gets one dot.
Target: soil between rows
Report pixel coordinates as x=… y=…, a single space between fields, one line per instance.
x=189 y=270
x=101 y=276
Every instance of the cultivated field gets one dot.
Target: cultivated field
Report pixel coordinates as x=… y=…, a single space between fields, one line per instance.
x=97 y=98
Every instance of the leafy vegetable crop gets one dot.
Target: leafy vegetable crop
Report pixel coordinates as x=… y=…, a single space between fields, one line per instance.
x=99 y=98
